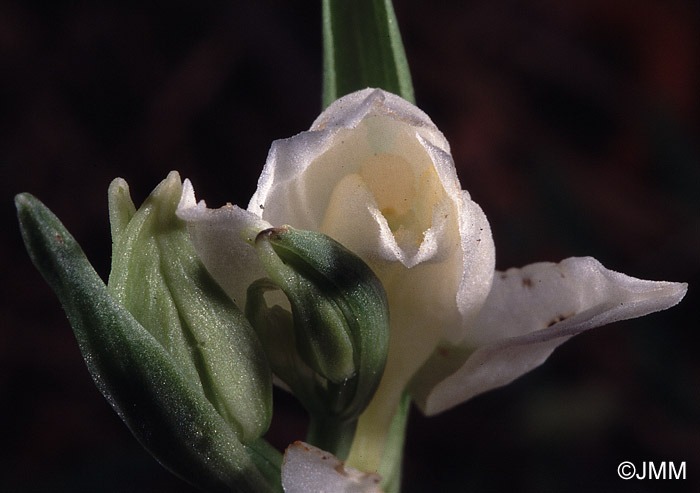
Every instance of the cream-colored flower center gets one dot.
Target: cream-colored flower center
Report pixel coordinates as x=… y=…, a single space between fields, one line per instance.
x=391 y=180
x=378 y=170
x=405 y=200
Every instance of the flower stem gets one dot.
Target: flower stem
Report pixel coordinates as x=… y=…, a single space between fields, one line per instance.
x=331 y=435
x=392 y=460
x=379 y=441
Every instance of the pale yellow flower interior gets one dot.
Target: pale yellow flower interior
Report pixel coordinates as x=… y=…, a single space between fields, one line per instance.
x=391 y=180
x=405 y=200
x=381 y=161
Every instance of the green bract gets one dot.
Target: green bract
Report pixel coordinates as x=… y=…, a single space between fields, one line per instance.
x=338 y=328
x=158 y=277
x=166 y=368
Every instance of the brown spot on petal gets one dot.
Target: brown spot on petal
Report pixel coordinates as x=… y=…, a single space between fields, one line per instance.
x=559 y=318
x=527 y=282
x=443 y=352
x=59 y=238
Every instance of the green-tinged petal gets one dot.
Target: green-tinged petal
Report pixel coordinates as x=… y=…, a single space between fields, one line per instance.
x=275 y=328
x=172 y=418
x=158 y=277
x=323 y=336
x=341 y=318
x=121 y=207
x=362 y=48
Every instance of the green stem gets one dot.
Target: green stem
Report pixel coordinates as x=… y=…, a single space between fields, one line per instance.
x=379 y=440
x=331 y=435
x=392 y=460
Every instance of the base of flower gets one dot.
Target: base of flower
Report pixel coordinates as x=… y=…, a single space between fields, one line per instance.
x=331 y=435
x=381 y=451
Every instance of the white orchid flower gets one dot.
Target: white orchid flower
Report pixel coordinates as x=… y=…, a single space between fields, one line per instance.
x=374 y=173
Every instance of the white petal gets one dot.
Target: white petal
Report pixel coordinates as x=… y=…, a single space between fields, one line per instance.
x=349 y=110
x=352 y=209
x=478 y=260
x=218 y=238
x=282 y=197
x=539 y=295
x=309 y=469
x=529 y=312
x=299 y=180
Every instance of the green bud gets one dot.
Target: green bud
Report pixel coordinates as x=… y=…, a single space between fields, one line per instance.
x=158 y=277
x=188 y=424
x=275 y=328
x=339 y=321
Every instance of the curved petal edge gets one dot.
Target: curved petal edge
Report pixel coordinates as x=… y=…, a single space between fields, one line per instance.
x=529 y=312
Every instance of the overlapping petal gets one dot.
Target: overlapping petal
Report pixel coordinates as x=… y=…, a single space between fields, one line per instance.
x=219 y=237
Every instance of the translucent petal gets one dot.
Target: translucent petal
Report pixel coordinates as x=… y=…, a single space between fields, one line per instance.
x=529 y=312
x=478 y=261
x=349 y=110
x=219 y=237
x=307 y=468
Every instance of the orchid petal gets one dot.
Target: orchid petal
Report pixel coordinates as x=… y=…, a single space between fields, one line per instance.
x=220 y=238
x=307 y=468
x=478 y=260
x=529 y=312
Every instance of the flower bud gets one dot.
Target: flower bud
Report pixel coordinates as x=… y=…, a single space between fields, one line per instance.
x=339 y=322
x=158 y=277
x=175 y=417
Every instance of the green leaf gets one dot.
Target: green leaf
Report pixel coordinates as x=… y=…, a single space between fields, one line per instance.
x=362 y=48
x=171 y=418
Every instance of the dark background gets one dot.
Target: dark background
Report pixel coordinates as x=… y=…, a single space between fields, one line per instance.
x=574 y=124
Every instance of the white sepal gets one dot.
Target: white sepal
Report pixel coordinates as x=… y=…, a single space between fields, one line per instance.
x=529 y=312
x=309 y=469
x=222 y=239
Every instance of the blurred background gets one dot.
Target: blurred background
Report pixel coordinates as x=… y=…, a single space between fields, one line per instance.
x=573 y=124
